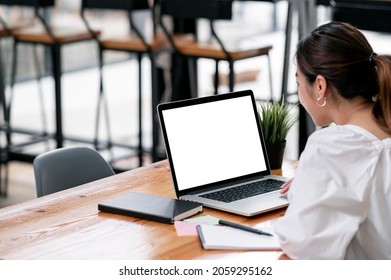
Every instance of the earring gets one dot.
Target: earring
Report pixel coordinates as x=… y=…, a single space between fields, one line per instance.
x=324 y=102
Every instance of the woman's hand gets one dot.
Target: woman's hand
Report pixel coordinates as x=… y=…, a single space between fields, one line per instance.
x=285 y=187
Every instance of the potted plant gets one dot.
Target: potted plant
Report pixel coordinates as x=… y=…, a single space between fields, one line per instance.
x=276 y=119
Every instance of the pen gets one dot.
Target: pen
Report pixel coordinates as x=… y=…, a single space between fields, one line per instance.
x=242 y=227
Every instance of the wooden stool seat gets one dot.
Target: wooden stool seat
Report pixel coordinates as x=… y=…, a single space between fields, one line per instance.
x=3 y=32
x=132 y=43
x=22 y=23
x=189 y=46
x=61 y=35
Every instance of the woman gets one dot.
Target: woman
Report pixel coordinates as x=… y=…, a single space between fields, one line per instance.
x=340 y=198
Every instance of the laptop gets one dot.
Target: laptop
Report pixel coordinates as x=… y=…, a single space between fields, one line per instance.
x=216 y=150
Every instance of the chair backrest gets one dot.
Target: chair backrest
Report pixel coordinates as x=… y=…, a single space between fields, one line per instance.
x=33 y=4
x=373 y=15
x=190 y=9
x=65 y=168
x=128 y=5
x=28 y=3
x=323 y=3
x=193 y=10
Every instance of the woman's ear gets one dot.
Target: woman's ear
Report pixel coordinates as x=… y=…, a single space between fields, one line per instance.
x=321 y=86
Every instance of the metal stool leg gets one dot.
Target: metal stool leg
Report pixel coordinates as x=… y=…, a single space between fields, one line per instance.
x=231 y=76
x=40 y=94
x=271 y=97
x=102 y=101
x=177 y=78
x=217 y=78
x=12 y=84
x=155 y=102
x=97 y=118
x=140 y=111
x=57 y=71
x=4 y=181
x=3 y=153
x=192 y=78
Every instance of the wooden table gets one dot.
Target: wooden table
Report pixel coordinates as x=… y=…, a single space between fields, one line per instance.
x=68 y=225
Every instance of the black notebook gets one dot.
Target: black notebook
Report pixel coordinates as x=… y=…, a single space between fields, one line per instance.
x=151 y=207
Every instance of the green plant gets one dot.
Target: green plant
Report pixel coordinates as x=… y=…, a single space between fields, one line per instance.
x=276 y=119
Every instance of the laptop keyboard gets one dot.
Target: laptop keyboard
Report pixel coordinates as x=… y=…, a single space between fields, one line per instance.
x=245 y=190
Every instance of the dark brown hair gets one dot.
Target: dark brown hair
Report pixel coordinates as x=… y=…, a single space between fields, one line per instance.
x=342 y=55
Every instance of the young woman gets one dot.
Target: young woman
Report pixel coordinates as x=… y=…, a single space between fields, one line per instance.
x=340 y=198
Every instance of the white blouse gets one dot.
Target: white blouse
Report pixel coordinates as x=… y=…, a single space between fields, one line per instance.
x=340 y=198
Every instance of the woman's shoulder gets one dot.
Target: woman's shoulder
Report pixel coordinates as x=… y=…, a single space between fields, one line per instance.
x=343 y=135
x=345 y=141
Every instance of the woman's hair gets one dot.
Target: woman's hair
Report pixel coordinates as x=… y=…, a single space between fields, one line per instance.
x=342 y=55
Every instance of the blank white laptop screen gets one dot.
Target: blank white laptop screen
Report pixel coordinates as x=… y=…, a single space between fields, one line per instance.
x=212 y=142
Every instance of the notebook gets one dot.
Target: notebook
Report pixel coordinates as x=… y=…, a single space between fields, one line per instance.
x=214 y=144
x=150 y=207
x=225 y=238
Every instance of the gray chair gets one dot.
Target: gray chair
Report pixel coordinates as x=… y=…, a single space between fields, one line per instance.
x=65 y=168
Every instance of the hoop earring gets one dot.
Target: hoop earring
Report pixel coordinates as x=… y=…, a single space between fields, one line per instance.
x=324 y=102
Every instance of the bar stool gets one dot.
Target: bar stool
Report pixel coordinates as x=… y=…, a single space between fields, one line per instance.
x=6 y=31
x=133 y=43
x=9 y=28
x=187 y=46
x=53 y=37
